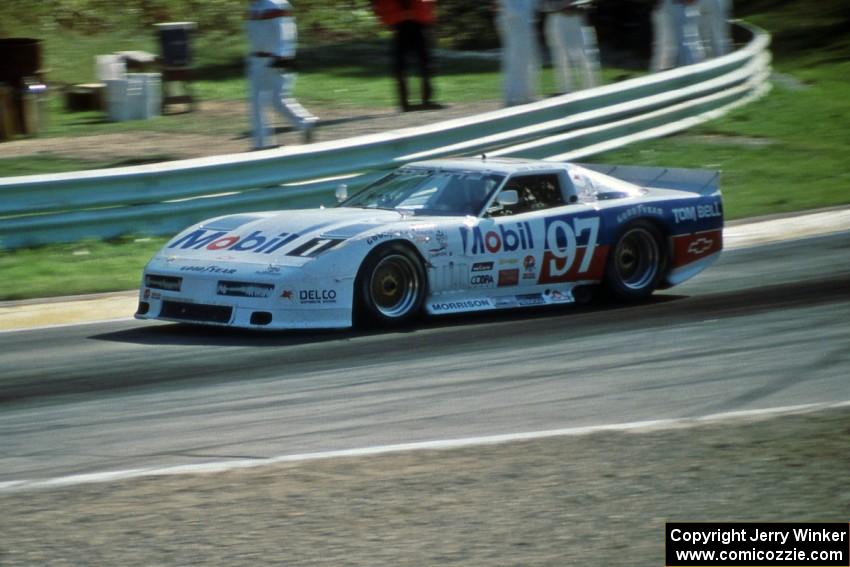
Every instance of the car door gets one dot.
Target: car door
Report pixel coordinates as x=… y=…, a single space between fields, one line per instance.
x=542 y=239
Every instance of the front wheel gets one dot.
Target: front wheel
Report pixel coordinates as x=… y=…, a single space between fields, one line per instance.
x=637 y=262
x=390 y=287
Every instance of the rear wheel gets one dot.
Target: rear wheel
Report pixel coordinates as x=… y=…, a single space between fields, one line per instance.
x=637 y=262
x=390 y=286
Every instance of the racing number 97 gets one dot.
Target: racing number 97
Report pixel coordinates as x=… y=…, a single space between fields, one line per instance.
x=560 y=231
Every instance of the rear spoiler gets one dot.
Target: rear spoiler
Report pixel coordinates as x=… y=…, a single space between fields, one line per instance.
x=703 y=181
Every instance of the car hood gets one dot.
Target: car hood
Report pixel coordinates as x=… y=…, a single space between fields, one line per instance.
x=283 y=237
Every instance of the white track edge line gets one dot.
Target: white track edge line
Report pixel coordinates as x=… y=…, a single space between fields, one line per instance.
x=446 y=444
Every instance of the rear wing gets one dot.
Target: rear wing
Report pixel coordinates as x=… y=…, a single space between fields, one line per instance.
x=703 y=181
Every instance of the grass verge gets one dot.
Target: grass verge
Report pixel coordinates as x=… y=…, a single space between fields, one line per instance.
x=72 y=269
x=786 y=152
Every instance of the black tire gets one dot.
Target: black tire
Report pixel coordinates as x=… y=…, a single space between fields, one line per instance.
x=390 y=286
x=637 y=262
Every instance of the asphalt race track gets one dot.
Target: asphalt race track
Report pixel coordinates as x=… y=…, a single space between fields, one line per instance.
x=766 y=327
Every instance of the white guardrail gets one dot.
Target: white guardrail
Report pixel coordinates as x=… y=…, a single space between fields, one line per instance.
x=166 y=197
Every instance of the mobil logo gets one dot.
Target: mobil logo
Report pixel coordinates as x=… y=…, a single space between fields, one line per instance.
x=507 y=237
x=256 y=242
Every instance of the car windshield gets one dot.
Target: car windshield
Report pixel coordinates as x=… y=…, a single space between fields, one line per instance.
x=429 y=192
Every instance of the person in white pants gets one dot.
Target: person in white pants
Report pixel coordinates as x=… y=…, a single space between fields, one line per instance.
x=572 y=43
x=272 y=39
x=686 y=29
x=520 y=56
x=676 y=39
x=663 y=48
x=714 y=27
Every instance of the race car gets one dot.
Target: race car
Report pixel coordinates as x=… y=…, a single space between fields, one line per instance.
x=442 y=237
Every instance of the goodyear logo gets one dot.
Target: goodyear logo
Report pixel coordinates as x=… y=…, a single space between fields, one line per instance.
x=256 y=242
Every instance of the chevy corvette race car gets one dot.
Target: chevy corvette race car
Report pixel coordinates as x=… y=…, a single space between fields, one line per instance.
x=443 y=236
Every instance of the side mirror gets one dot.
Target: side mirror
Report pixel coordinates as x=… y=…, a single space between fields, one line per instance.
x=508 y=198
x=341 y=193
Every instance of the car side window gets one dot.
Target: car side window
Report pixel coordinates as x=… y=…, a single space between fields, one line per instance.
x=536 y=192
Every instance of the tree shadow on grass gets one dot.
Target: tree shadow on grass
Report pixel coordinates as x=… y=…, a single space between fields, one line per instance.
x=827 y=37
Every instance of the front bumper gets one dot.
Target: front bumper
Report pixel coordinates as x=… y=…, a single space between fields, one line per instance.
x=283 y=300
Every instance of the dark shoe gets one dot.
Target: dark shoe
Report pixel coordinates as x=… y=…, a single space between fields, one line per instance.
x=432 y=106
x=308 y=129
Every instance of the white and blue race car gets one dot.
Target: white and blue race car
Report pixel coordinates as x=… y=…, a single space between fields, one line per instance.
x=443 y=236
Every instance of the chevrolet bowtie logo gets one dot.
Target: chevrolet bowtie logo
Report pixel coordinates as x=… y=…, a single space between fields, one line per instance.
x=700 y=246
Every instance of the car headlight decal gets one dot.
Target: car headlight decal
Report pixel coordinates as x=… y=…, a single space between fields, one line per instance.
x=315 y=247
x=167 y=283
x=244 y=289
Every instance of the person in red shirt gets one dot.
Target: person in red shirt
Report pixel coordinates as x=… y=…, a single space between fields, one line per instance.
x=411 y=21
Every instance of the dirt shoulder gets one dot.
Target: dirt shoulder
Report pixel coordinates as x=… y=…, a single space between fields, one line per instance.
x=599 y=499
x=228 y=133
